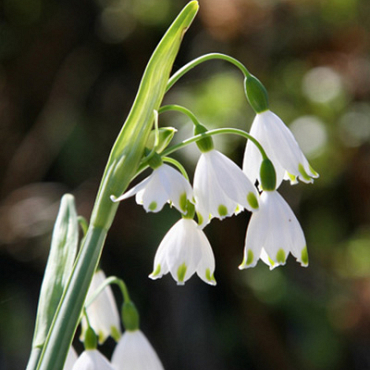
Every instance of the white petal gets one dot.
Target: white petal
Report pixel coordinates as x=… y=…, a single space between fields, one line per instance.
x=255 y=237
x=206 y=266
x=134 y=352
x=232 y=179
x=137 y=188
x=71 y=359
x=92 y=360
x=102 y=312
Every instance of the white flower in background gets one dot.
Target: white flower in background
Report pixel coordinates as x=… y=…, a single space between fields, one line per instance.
x=183 y=251
x=134 y=352
x=92 y=359
x=273 y=233
x=221 y=189
x=71 y=359
x=282 y=149
x=165 y=184
x=102 y=312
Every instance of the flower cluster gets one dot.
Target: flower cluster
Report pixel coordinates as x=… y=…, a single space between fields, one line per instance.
x=133 y=350
x=222 y=189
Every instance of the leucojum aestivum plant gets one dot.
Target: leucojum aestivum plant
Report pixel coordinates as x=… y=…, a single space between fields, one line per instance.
x=75 y=292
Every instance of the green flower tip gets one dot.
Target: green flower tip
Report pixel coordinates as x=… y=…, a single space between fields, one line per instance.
x=115 y=333
x=206 y=144
x=181 y=271
x=222 y=210
x=252 y=200
x=267 y=175
x=256 y=94
x=90 y=340
x=153 y=206
x=210 y=278
x=189 y=209
x=156 y=272
x=281 y=256
x=304 y=257
x=247 y=260
x=313 y=171
x=303 y=173
x=165 y=135
x=130 y=316
x=200 y=218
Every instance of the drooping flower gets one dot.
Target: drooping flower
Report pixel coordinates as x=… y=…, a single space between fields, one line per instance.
x=282 y=149
x=183 y=251
x=221 y=189
x=134 y=352
x=102 y=312
x=273 y=233
x=92 y=359
x=71 y=359
x=165 y=184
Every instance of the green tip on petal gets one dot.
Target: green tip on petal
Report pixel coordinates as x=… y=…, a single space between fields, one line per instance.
x=292 y=178
x=249 y=257
x=272 y=263
x=304 y=256
x=153 y=206
x=210 y=278
x=303 y=173
x=200 y=218
x=181 y=271
x=280 y=256
x=313 y=171
x=222 y=210
x=157 y=271
x=252 y=200
x=183 y=202
x=115 y=333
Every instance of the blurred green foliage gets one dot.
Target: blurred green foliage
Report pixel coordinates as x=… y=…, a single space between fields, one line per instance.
x=69 y=72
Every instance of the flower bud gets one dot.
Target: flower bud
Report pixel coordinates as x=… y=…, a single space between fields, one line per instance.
x=206 y=144
x=256 y=94
x=165 y=135
x=267 y=175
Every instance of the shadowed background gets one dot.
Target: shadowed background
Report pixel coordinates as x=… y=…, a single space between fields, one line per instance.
x=69 y=71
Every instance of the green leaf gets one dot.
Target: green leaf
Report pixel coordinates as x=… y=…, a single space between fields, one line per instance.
x=60 y=262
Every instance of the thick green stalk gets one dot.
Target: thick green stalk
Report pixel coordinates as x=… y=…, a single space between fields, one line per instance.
x=121 y=167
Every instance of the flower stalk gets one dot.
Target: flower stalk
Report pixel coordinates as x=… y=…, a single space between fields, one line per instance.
x=121 y=167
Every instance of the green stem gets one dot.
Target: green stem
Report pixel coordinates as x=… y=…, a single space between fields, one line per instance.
x=181 y=109
x=82 y=273
x=186 y=68
x=108 y=281
x=218 y=131
x=177 y=164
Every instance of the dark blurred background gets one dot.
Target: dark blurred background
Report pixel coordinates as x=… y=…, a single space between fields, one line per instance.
x=69 y=71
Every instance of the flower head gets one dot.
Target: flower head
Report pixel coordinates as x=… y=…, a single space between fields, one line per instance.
x=183 y=251
x=221 y=189
x=102 y=312
x=134 y=352
x=273 y=233
x=92 y=359
x=165 y=184
x=282 y=149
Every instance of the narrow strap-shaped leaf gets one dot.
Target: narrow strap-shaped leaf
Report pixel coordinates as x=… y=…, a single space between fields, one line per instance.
x=60 y=262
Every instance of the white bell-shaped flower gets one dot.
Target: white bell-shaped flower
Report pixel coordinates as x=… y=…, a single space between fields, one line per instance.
x=273 y=233
x=92 y=359
x=282 y=149
x=183 y=251
x=221 y=189
x=165 y=184
x=71 y=359
x=102 y=312
x=134 y=352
